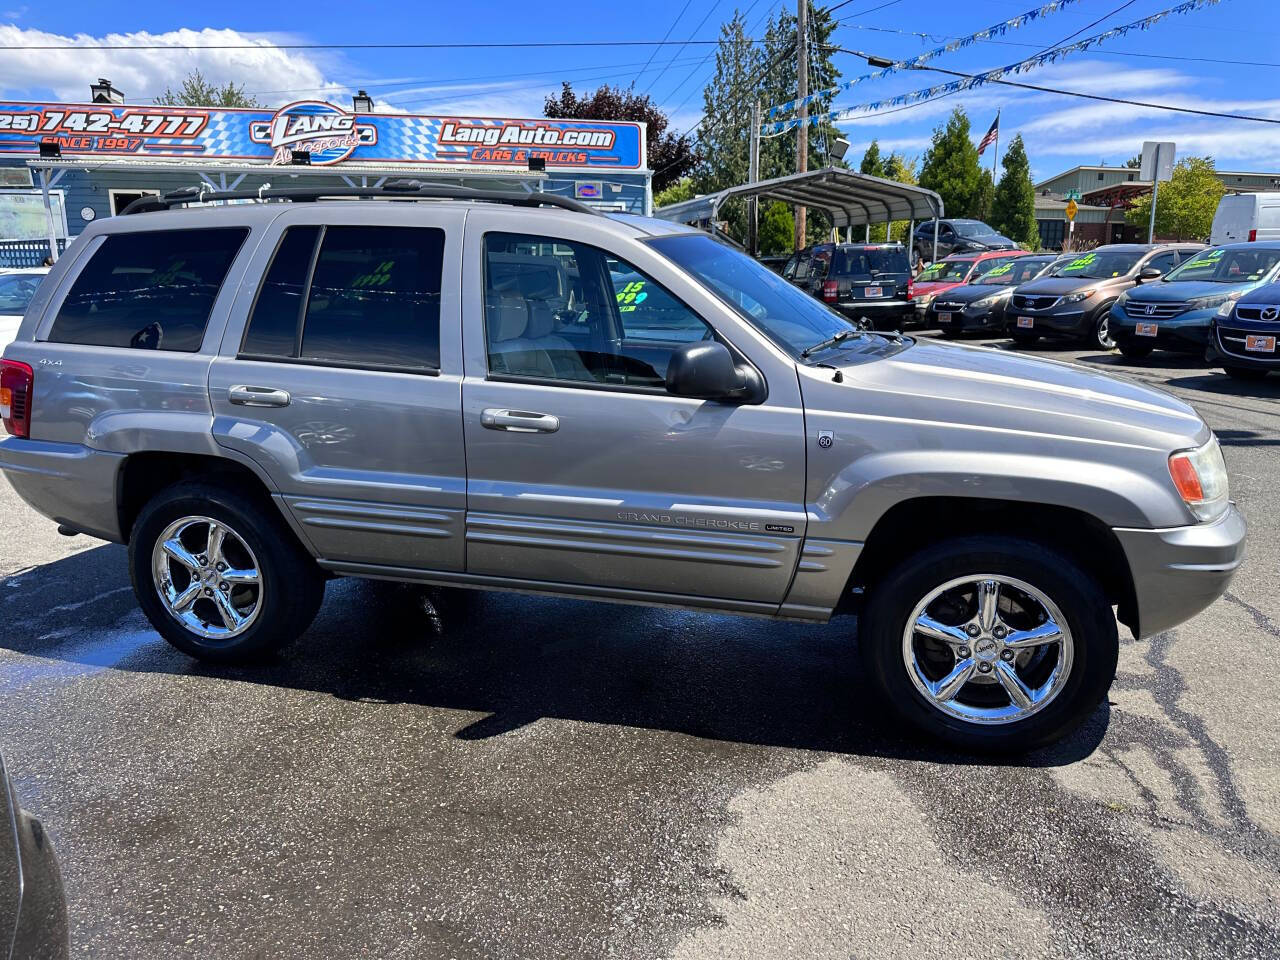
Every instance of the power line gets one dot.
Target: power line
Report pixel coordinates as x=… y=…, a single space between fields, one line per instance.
x=704 y=19
x=689 y=76
x=534 y=44
x=654 y=53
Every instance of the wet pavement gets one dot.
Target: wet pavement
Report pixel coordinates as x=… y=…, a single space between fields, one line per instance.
x=458 y=774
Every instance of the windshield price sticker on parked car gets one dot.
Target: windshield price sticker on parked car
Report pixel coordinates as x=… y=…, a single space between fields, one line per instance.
x=1001 y=270
x=1080 y=263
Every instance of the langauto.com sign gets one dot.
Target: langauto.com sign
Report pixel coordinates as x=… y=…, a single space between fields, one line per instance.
x=330 y=134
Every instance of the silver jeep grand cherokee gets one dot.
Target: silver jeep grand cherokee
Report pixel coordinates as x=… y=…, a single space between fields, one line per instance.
x=515 y=392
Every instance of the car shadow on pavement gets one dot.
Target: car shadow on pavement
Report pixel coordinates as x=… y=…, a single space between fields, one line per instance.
x=514 y=658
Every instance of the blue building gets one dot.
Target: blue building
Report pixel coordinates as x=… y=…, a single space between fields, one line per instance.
x=63 y=165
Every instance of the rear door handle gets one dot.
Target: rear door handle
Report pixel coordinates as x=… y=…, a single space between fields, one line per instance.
x=250 y=396
x=518 y=421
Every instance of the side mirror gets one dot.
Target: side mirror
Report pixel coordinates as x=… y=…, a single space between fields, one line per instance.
x=705 y=370
x=1150 y=273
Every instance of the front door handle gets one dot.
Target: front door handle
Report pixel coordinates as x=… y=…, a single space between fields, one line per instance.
x=250 y=396
x=518 y=421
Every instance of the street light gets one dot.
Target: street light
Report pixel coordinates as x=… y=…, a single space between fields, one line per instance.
x=361 y=103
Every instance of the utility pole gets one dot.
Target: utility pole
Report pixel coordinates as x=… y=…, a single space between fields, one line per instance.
x=802 y=132
x=753 y=174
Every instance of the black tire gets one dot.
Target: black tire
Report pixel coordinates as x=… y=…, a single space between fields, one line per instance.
x=1077 y=595
x=1246 y=373
x=1099 y=336
x=292 y=586
x=1132 y=350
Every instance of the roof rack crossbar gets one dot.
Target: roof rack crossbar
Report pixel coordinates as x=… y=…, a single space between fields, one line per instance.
x=392 y=189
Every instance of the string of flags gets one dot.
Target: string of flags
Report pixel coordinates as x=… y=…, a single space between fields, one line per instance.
x=997 y=30
x=968 y=83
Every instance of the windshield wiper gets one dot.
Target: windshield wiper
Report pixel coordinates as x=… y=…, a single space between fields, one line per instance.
x=831 y=341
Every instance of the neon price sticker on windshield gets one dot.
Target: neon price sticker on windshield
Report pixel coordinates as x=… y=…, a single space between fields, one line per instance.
x=1208 y=260
x=1080 y=262
x=1000 y=271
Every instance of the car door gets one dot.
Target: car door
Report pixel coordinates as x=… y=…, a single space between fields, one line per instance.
x=583 y=473
x=946 y=240
x=340 y=375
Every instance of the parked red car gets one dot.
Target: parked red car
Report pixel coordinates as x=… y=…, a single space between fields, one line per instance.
x=951 y=272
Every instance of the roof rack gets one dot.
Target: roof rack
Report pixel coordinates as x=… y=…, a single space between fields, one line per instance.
x=392 y=189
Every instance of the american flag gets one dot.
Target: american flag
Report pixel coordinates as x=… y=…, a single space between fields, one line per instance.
x=991 y=136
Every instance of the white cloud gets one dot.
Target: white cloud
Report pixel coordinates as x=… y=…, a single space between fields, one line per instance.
x=272 y=74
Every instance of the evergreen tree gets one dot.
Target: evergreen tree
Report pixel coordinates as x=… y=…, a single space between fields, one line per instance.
x=1013 y=210
x=951 y=169
x=871 y=163
x=777 y=229
x=896 y=167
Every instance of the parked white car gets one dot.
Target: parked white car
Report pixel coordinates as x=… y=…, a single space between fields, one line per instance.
x=1245 y=218
x=17 y=287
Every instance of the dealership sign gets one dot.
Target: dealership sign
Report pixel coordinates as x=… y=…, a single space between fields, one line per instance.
x=328 y=133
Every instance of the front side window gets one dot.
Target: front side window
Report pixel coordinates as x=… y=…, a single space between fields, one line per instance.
x=151 y=290
x=561 y=310
x=351 y=295
x=1164 y=263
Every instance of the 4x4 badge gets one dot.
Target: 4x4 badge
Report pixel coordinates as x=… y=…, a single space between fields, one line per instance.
x=826 y=438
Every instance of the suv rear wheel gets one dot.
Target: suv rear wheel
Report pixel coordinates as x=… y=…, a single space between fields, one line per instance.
x=220 y=575
x=990 y=643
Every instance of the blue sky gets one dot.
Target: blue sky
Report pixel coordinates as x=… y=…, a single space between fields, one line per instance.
x=1170 y=63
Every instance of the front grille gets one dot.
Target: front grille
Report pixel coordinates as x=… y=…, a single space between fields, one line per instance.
x=1140 y=310
x=1231 y=342
x=1031 y=302
x=1255 y=311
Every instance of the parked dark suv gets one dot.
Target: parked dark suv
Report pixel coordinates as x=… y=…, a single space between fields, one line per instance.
x=867 y=282
x=958 y=236
x=1244 y=338
x=1074 y=298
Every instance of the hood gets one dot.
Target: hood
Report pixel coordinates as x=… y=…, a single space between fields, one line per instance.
x=1177 y=291
x=934 y=286
x=970 y=292
x=1057 y=286
x=1268 y=293
x=1016 y=399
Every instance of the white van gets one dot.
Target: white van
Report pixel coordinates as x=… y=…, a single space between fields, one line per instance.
x=1246 y=217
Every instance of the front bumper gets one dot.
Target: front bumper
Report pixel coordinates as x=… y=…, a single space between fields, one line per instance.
x=1070 y=320
x=970 y=318
x=1188 y=332
x=1227 y=344
x=1179 y=571
x=67 y=482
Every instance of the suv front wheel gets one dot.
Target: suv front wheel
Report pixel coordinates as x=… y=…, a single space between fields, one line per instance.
x=220 y=575
x=990 y=643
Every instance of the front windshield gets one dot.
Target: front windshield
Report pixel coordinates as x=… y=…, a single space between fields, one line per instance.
x=1223 y=265
x=973 y=228
x=16 y=291
x=1010 y=273
x=1100 y=266
x=790 y=318
x=944 y=270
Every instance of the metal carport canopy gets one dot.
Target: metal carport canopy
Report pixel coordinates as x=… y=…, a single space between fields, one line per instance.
x=853 y=199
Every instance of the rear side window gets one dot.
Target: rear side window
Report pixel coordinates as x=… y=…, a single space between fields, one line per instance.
x=149 y=290
x=352 y=296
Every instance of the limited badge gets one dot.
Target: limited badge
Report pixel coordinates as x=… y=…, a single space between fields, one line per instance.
x=826 y=439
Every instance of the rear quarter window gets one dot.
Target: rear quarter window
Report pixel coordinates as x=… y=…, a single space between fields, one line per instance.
x=150 y=291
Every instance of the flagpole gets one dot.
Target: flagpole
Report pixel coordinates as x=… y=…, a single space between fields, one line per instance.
x=996 y=153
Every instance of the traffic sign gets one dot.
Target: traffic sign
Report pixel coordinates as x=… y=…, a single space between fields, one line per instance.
x=1073 y=194
x=1072 y=209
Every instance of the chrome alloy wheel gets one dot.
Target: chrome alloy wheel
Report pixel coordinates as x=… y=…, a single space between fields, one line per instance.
x=207 y=578
x=987 y=649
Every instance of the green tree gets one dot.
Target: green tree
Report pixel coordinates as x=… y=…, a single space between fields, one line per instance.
x=900 y=168
x=196 y=91
x=670 y=155
x=724 y=135
x=950 y=167
x=1186 y=204
x=1013 y=210
x=777 y=229
x=678 y=192
x=872 y=165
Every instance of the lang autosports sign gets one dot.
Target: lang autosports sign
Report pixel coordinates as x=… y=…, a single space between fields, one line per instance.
x=328 y=133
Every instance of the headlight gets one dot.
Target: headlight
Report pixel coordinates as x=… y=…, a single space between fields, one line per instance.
x=1077 y=297
x=986 y=301
x=1200 y=476
x=1222 y=301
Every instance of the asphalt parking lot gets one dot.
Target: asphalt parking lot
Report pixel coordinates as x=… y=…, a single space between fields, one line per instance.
x=483 y=775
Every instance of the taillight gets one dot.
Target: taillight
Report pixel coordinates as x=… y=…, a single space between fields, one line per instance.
x=16 y=380
x=1253 y=236
x=910 y=289
x=830 y=290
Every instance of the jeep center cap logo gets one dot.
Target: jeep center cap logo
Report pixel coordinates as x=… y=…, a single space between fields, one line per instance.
x=327 y=132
